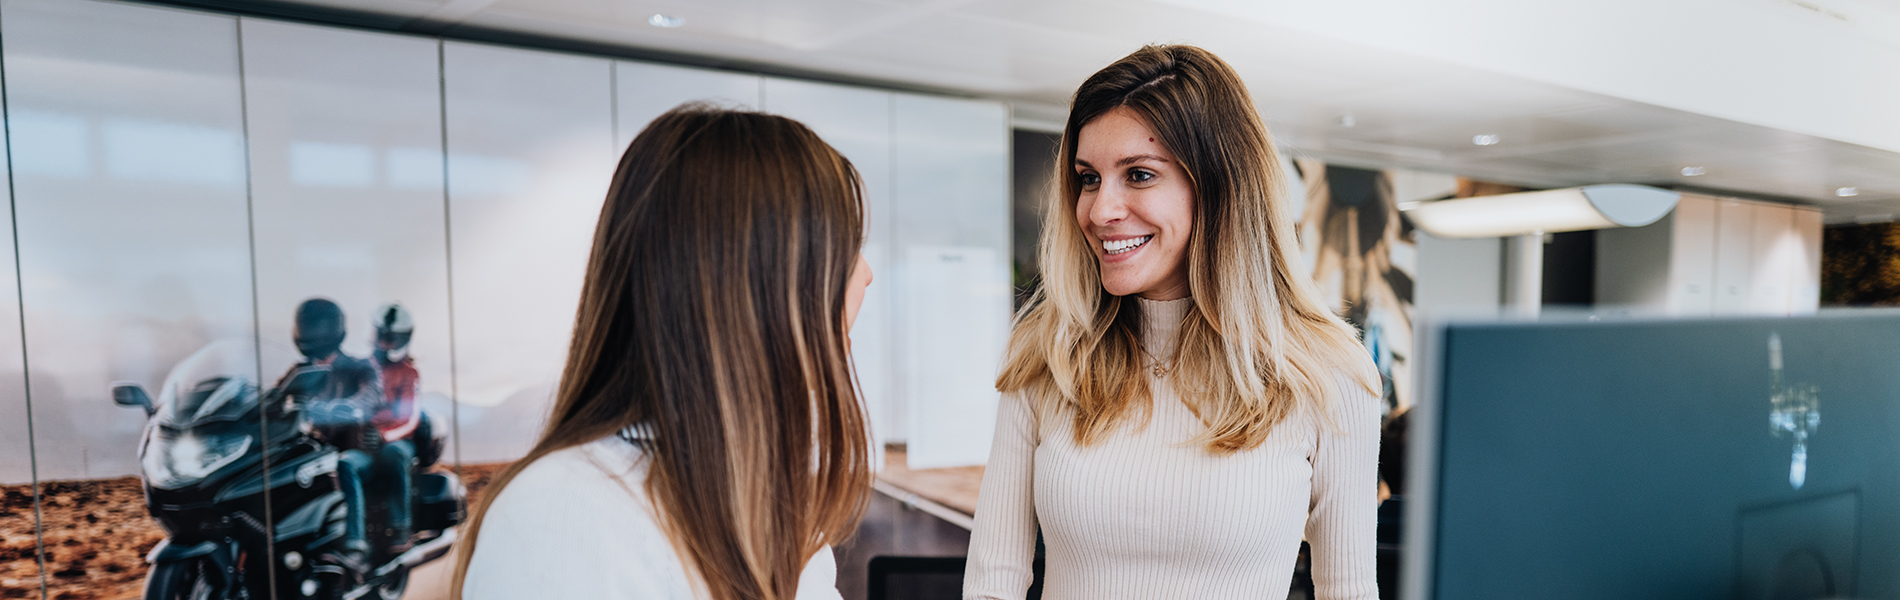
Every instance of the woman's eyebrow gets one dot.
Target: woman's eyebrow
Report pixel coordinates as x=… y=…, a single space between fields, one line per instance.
x=1126 y=160
x=1129 y=160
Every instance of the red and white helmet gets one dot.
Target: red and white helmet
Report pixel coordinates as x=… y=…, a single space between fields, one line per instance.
x=393 y=329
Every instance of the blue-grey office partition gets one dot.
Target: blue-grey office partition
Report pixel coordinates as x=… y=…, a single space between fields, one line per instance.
x=1740 y=458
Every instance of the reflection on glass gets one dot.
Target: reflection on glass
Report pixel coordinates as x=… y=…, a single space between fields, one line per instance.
x=332 y=165
x=151 y=150
x=62 y=140
x=1796 y=413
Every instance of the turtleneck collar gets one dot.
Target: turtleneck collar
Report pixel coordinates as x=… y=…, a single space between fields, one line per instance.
x=1160 y=319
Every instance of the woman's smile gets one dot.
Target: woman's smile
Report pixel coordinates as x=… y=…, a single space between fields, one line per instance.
x=1120 y=248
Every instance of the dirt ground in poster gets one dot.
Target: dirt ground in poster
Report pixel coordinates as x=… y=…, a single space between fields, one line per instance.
x=97 y=534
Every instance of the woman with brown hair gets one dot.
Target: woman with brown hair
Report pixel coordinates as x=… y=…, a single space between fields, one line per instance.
x=1180 y=407
x=706 y=440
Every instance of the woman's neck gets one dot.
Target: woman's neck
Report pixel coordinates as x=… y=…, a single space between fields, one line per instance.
x=1160 y=319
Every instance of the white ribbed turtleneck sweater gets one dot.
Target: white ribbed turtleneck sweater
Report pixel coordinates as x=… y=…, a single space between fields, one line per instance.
x=1142 y=514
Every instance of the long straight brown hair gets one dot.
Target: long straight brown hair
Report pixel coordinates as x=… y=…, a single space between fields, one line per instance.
x=1258 y=344
x=713 y=316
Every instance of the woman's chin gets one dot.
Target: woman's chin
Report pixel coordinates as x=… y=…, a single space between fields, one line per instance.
x=1120 y=287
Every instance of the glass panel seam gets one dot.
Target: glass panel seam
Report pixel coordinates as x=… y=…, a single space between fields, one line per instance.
x=19 y=290
x=257 y=333
x=448 y=253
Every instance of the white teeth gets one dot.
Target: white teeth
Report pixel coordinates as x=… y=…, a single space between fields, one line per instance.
x=1120 y=246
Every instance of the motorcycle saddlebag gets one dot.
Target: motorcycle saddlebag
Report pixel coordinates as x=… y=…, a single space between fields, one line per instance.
x=439 y=501
x=427 y=443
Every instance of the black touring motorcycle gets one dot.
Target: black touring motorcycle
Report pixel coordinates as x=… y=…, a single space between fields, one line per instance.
x=203 y=458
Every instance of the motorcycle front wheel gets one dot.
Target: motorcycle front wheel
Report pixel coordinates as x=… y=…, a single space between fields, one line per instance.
x=393 y=585
x=177 y=580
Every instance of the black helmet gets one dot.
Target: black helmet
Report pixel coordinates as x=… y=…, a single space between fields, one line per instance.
x=320 y=330
x=393 y=328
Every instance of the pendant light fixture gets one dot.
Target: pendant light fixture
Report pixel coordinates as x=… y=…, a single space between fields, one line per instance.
x=1547 y=211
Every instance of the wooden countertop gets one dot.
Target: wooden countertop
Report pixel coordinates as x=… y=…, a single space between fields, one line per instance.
x=954 y=488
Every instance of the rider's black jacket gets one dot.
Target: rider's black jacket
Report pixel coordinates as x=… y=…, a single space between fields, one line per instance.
x=342 y=411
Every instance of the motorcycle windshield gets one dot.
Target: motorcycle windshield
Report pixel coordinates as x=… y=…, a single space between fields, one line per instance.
x=179 y=458
x=216 y=383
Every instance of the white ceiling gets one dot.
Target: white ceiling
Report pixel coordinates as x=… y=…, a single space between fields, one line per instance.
x=1407 y=110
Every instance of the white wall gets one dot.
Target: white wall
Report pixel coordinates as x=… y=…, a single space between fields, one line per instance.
x=952 y=273
x=1692 y=253
x=1458 y=274
x=1715 y=256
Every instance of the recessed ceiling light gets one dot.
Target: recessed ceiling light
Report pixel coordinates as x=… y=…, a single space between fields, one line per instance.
x=1485 y=139
x=669 y=22
x=1846 y=192
x=1693 y=171
x=1347 y=121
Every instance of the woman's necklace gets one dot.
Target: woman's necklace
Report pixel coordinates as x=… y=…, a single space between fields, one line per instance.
x=1159 y=367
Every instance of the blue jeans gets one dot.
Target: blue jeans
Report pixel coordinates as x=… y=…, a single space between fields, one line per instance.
x=395 y=465
x=392 y=467
x=352 y=468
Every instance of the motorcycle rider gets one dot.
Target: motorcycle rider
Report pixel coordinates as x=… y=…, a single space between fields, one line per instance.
x=342 y=412
x=398 y=419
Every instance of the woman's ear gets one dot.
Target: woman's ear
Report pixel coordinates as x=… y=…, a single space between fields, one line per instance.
x=854 y=293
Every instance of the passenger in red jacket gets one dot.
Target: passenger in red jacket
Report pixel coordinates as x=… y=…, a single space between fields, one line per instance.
x=398 y=416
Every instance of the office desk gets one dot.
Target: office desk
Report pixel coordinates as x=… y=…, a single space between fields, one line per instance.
x=948 y=494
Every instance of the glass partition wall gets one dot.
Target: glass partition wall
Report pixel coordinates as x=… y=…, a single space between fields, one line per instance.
x=126 y=124
x=181 y=182
x=531 y=150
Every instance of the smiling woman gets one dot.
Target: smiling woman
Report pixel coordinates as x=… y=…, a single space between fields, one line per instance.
x=1179 y=443
x=1138 y=194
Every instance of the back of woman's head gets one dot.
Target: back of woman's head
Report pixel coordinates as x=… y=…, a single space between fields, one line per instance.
x=712 y=318
x=1259 y=341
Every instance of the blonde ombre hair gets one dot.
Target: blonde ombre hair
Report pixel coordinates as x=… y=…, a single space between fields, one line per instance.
x=1258 y=343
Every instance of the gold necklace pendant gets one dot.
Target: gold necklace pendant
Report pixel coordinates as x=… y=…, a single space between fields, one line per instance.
x=1159 y=367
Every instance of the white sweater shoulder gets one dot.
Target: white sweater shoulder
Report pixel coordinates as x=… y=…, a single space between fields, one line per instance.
x=578 y=524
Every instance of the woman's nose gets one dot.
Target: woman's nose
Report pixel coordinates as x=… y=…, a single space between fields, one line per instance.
x=1111 y=205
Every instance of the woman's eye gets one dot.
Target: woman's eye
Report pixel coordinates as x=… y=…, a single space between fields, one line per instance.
x=1089 y=179
x=1140 y=176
